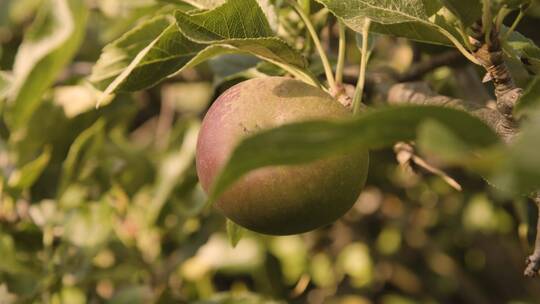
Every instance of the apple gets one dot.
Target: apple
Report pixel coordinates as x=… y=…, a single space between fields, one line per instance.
x=278 y=200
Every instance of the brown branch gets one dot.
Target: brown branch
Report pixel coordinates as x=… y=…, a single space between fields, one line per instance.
x=491 y=56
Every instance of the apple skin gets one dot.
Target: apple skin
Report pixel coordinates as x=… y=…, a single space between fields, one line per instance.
x=278 y=200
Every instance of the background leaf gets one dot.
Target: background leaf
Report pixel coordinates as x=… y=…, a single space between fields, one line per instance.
x=468 y=11
x=531 y=97
x=48 y=46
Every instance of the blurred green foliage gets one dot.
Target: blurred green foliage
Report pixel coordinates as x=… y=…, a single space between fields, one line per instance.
x=103 y=205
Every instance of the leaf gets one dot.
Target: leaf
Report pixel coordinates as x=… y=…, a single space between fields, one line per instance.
x=384 y=12
x=172 y=170
x=49 y=44
x=201 y=4
x=519 y=171
x=234 y=233
x=530 y=98
x=83 y=147
x=25 y=177
x=514 y=169
x=159 y=48
x=143 y=56
x=409 y=19
x=468 y=11
x=528 y=51
x=242 y=25
x=5 y=82
x=308 y=141
x=436 y=138
x=432 y=6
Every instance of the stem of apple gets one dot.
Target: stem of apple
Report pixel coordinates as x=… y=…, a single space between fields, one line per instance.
x=318 y=45
x=341 y=53
x=357 y=100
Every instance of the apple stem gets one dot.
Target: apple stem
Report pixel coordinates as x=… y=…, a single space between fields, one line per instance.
x=341 y=53
x=317 y=42
x=357 y=100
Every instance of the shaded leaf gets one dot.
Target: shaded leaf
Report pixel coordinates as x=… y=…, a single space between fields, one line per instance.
x=530 y=98
x=49 y=44
x=84 y=146
x=527 y=50
x=468 y=11
x=308 y=141
x=26 y=176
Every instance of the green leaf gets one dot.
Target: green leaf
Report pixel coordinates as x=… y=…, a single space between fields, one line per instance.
x=242 y=25
x=380 y=11
x=201 y=4
x=527 y=50
x=143 y=56
x=519 y=170
x=436 y=138
x=432 y=6
x=25 y=177
x=308 y=141
x=530 y=98
x=49 y=44
x=159 y=48
x=234 y=233
x=514 y=169
x=468 y=11
x=173 y=170
x=5 y=82
x=84 y=146
x=409 y=19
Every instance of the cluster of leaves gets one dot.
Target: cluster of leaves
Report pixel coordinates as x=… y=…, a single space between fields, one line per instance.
x=103 y=204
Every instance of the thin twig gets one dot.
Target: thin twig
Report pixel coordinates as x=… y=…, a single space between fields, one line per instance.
x=309 y=26
x=357 y=100
x=406 y=153
x=341 y=53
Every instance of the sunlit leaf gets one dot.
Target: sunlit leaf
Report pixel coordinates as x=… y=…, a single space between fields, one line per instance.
x=409 y=19
x=49 y=44
x=241 y=25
